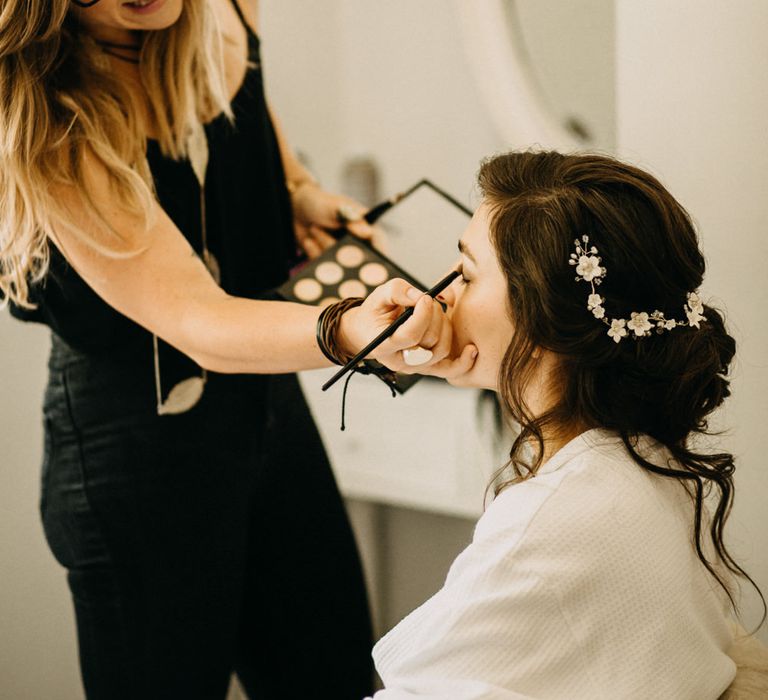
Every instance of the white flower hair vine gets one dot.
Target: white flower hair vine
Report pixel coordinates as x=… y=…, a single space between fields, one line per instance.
x=641 y=323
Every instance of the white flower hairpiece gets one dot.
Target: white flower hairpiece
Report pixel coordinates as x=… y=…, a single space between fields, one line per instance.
x=641 y=323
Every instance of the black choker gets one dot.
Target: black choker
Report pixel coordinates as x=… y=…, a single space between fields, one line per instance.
x=127 y=59
x=113 y=49
x=127 y=47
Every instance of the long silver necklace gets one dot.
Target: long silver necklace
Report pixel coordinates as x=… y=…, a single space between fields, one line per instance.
x=188 y=392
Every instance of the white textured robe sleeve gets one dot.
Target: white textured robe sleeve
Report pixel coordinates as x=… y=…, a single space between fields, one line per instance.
x=580 y=583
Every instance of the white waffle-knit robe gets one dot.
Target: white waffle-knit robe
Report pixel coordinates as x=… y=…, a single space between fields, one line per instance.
x=579 y=583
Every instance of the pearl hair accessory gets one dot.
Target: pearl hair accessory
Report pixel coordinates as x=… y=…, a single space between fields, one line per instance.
x=641 y=323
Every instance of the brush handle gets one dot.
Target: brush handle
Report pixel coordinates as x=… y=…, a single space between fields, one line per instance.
x=388 y=331
x=378 y=210
x=369 y=217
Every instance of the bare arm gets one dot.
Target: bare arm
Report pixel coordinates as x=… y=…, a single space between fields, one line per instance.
x=315 y=210
x=165 y=288
x=295 y=173
x=155 y=278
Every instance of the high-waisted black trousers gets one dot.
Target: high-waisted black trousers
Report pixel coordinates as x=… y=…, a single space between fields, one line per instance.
x=201 y=544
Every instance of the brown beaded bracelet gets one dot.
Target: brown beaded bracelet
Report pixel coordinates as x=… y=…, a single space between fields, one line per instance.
x=328 y=326
x=327 y=332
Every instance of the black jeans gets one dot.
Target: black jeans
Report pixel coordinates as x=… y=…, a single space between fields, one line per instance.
x=201 y=544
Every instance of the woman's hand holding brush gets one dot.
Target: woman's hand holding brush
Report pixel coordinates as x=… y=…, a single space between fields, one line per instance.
x=419 y=344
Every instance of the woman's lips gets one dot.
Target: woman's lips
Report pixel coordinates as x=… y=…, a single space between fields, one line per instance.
x=143 y=6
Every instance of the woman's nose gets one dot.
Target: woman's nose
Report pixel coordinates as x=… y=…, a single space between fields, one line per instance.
x=449 y=294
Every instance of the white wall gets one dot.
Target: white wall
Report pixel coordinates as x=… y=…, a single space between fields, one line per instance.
x=405 y=98
x=382 y=79
x=38 y=652
x=692 y=106
x=352 y=77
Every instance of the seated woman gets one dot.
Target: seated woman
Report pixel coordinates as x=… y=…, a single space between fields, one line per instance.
x=596 y=571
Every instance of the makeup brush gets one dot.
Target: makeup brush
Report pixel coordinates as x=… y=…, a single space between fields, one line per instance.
x=376 y=212
x=388 y=331
x=372 y=215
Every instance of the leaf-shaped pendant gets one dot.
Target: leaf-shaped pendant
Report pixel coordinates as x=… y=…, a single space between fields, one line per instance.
x=182 y=397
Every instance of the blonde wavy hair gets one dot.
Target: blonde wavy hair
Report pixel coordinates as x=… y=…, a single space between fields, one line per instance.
x=59 y=101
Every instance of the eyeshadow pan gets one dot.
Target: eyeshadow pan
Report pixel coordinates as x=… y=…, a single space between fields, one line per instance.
x=307 y=289
x=373 y=274
x=329 y=273
x=350 y=256
x=352 y=288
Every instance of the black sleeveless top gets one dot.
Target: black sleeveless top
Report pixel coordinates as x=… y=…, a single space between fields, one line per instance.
x=249 y=230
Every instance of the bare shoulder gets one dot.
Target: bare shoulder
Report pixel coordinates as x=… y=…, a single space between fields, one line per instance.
x=227 y=14
x=111 y=224
x=250 y=10
x=235 y=37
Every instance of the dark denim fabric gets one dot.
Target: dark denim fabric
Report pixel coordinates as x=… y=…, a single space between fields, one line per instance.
x=200 y=544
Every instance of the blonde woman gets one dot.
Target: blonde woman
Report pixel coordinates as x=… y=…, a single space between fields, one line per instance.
x=190 y=502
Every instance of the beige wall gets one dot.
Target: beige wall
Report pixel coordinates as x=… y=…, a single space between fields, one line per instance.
x=38 y=654
x=354 y=76
x=693 y=107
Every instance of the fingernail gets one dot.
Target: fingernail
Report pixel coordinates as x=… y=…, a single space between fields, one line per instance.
x=473 y=354
x=413 y=294
x=416 y=356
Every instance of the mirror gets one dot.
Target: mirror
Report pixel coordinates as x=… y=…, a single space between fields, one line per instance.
x=568 y=51
x=545 y=69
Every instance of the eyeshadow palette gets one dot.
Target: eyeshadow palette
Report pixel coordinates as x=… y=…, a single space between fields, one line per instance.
x=419 y=224
x=349 y=268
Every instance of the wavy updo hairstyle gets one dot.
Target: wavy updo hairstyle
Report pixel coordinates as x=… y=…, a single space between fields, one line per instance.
x=663 y=385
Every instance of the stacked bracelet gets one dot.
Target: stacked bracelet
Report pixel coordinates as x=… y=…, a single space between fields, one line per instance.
x=328 y=326
x=327 y=340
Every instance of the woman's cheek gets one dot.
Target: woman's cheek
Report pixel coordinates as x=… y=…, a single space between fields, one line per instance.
x=461 y=334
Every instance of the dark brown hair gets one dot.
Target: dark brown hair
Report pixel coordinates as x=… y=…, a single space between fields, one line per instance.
x=662 y=385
